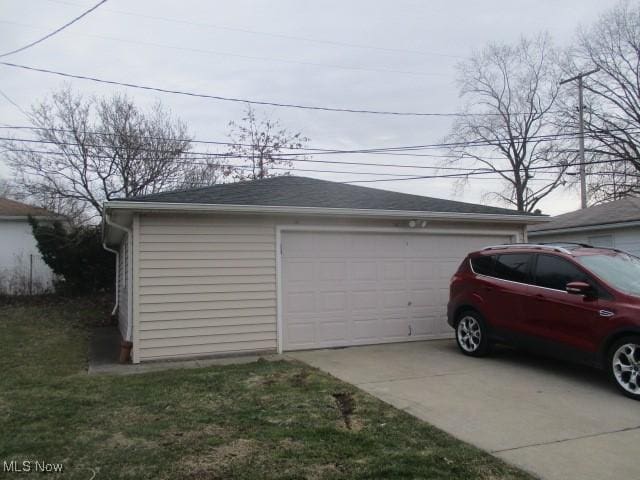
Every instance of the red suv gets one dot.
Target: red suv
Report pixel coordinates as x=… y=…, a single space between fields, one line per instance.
x=571 y=301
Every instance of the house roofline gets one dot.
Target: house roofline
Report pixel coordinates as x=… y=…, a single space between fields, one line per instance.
x=26 y=217
x=294 y=210
x=585 y=228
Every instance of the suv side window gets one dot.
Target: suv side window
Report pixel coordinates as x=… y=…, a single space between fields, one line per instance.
x=555 y=272
x=513 y=266
x=483 y=264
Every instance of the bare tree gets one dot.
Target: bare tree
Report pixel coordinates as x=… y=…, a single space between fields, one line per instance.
x=612 y=100
x=206 y=172
x=260 y=141
x=6 y=189
x=85 y=151
x=505 y=129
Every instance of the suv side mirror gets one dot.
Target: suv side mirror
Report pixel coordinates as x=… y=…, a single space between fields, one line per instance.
x=579 y=288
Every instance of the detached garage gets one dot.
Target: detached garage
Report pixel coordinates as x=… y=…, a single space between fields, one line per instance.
x=290 y=263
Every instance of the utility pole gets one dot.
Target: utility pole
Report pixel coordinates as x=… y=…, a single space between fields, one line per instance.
x=583 y=166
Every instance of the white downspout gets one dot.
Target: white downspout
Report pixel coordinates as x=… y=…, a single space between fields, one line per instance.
x=130 y=274
x=117 y=254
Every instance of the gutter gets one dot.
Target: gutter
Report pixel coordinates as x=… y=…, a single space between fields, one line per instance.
x=352 y=212
x=129 y=233
x=586 y=228
x=117 y=254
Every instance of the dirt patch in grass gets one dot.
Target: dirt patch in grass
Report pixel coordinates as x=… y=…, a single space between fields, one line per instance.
x=318 y=472
x=213 y=463
x=346 y=406
x=301 y=379
x=291 y=444
x=120 y=440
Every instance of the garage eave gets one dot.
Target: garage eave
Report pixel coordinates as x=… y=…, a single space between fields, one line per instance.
x=320 y=211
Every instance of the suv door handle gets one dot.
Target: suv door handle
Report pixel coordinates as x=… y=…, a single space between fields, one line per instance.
x=606 y=313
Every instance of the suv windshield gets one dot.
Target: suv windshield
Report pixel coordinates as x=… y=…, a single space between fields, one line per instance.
x=620 y=270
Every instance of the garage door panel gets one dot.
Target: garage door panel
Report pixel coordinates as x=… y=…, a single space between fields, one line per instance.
x=332 y=301
x=394 y=270
x=330 y=244
x=395 y=299
x=423 y=298
x=300 y=302
x=332 y=270
x=363 y=270
x=301 y=334
x=390 y=245
x=394 y=328
x=366 y=329
x=332 y=332
x=342 y=289
x=422 y=270
x=297 y=271
x=363 y=301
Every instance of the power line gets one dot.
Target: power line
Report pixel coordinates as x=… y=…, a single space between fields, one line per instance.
x=15 y=104
x=298 y=151
x=392 y=151
x=279 y=156
x=270 y=34
x=202 y=156
x=467 y=171
x=58 y=30
x=245 y=100
x=238 y=55
x=346 y=172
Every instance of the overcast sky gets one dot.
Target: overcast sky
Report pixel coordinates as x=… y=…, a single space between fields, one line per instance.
x=384 y=55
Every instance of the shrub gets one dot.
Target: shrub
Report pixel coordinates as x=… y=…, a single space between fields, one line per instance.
x=76 y=255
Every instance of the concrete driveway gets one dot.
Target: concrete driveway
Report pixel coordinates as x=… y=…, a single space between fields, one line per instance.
x=554 y=420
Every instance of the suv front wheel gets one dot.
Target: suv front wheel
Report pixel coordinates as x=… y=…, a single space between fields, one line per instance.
x=624 y=365
x=471 y=334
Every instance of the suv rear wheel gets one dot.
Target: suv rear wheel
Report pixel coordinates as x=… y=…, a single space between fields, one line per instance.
x=471 y=334
x=624 y=365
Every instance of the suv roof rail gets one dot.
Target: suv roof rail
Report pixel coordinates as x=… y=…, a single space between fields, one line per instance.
x=573 y=244
x=541 y=246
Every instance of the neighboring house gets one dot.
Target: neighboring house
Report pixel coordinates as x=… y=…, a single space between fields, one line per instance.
x=614 y=224
x=22 y=270
x=290 y=263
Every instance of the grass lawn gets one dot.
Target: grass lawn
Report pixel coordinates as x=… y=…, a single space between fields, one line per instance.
x=261 y=420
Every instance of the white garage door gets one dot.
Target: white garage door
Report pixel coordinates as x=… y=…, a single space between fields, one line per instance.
x=343 y=289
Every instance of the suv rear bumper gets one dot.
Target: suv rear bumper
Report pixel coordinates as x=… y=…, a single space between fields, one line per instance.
x=451 y=315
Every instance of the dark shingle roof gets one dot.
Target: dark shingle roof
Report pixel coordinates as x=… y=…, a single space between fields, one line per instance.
x=293 y=191
x=11 y=208
x=619 y=211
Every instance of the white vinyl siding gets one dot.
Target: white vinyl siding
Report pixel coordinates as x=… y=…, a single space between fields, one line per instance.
x=123 y=287
x=206 y=286
x=627 y=239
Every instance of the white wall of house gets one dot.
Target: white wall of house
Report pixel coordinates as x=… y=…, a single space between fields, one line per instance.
x=627 y=239
x=22 y=270
x=208 y=284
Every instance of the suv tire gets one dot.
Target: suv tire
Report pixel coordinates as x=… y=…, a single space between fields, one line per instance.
x=471 y=334
x=623 y=365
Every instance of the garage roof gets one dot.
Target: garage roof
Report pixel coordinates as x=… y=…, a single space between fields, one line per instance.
x=618 y=211
x=290 y=191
